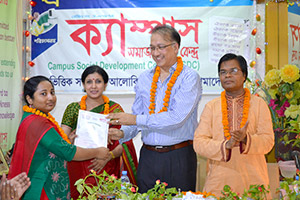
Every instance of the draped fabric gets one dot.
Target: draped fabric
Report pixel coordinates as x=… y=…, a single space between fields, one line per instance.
x=27 y=141
x=130 y=162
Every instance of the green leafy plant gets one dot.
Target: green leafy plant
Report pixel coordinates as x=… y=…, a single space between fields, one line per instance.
x=255 y=192
x=290 y=189
x=107 y=185
x=160 y=191
x=228 y=194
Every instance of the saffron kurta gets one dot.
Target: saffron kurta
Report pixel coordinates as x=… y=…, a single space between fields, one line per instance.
x=244 y=166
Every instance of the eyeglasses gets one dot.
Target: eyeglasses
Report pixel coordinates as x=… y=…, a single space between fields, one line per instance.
x=160 y=47
x=232 y=71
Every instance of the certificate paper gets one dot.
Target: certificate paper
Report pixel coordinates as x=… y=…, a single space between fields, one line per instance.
x=92 y=130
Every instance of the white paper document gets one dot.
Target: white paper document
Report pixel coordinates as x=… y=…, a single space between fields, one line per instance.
x=92 y=130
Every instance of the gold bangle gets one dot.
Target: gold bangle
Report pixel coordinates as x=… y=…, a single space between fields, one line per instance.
x=112 y=155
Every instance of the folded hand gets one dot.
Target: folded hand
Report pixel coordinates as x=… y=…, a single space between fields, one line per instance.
x=240 y=135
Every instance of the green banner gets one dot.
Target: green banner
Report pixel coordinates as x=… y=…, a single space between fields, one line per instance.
x=10 y=76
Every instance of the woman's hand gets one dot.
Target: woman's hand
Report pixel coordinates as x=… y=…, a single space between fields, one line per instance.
x=98 y=164
x=114 y=134
x=68 y=131
x=103 y=153
x=72 y=136
x=14 y=188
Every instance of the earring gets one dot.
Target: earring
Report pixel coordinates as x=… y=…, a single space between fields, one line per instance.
x=30 y=106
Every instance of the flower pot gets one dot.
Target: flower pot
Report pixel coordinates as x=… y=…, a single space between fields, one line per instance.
x=287 y=168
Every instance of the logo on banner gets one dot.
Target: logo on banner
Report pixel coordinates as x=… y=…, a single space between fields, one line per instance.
x=41 y=24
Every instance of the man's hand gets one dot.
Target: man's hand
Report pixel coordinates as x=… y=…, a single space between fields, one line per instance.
x=240 y=135
x=231 y=143
x=121 y=119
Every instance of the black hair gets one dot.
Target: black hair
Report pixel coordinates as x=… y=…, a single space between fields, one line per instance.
x=31 y=84
x=92 y=69
x=169 y=31
x=241 y=60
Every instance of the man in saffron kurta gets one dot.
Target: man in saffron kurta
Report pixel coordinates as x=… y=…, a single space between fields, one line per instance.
x=238 y=162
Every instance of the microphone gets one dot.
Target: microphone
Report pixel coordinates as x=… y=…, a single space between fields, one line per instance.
x=295 y=156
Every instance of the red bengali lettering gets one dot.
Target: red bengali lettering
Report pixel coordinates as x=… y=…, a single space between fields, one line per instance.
x=294 y=30
x=139 y=52
x=188 y=27
x=189 y=51
x=88 y=27
x=294 y=55
x=145 y=23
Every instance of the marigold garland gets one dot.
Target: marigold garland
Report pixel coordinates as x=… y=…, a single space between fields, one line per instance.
x=246 y=107
x=168 y=90
x=50 y=118
x=106 y=104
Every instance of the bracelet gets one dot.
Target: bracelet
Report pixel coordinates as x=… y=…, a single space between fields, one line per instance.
x=112 y=155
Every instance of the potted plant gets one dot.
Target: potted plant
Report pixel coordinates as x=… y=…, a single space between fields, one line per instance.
x=281 y=91
x=108 y=187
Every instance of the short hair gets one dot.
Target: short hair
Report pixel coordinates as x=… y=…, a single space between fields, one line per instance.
x=168 y=32
x=31 y=84
x=241 y=60
x=92 y=69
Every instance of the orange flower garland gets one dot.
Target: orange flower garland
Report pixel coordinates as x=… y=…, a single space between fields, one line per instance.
x=49 y=117
x=106 y=104
x=246 y=107
x=168 y=90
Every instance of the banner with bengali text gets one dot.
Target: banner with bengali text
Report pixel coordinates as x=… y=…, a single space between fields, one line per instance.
x=68 y=36
x=294 y=34
x=10 y=76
